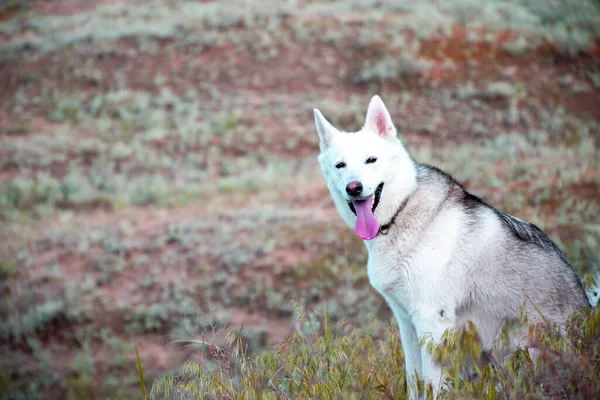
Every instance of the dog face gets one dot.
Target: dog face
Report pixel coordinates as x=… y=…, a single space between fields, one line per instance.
x=367 y=170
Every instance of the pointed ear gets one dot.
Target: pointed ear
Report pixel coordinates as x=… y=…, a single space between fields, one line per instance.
x=324 y=129
x=378 y=119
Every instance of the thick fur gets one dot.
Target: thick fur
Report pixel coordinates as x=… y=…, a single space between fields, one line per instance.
x=448 y=258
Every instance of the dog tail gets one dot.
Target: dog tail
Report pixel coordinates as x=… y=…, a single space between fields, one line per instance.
x=593 y=291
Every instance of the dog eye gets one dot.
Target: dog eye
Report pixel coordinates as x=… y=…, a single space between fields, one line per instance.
x=340 y=165
x=371 y=160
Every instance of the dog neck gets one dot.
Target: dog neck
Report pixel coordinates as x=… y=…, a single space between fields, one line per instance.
x=384 y=229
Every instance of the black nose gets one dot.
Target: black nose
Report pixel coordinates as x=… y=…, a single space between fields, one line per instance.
x=354 y=188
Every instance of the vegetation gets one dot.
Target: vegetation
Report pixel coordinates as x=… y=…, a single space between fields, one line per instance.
x=157 y=166
x=323 y=362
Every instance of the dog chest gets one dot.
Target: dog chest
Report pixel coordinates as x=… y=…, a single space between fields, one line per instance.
x=390 y=277
x=418 y=274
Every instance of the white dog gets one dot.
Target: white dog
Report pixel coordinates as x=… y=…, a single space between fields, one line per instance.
x=439 y=255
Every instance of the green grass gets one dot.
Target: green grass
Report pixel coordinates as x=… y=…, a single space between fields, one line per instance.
x=320 y=361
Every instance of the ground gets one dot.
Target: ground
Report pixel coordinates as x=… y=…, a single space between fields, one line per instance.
x=158 y=175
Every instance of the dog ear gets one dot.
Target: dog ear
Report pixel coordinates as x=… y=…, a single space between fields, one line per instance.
x=378 y=119
x=324 y=129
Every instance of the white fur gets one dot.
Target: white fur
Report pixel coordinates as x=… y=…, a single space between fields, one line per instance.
x=354 y=149
x=430 y=279
x=443 y=264
x=411 y=285
x=593 y=293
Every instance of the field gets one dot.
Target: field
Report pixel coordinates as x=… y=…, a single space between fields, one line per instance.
x=159 y=183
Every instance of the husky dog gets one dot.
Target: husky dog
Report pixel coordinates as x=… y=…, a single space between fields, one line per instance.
x=440 y=256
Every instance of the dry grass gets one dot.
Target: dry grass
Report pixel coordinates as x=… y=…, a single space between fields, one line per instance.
x=157 y=165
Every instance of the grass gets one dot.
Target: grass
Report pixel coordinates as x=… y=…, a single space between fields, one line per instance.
x=149 y=154
x=317 y=360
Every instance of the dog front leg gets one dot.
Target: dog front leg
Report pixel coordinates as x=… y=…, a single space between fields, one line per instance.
x=412 y=355
x=431 y=330
x=410 y=346
x=432 y=372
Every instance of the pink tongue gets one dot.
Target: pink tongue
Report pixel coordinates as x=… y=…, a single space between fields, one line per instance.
x=366 y=224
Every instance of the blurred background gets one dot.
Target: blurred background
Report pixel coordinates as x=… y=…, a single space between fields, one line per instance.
x=158 y=174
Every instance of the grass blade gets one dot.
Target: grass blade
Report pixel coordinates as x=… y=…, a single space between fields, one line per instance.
x=140 y=370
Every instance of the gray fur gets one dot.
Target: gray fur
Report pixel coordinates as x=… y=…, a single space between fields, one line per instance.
x=524 y=266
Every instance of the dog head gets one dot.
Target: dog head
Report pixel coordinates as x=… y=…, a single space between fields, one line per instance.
x=369 y=173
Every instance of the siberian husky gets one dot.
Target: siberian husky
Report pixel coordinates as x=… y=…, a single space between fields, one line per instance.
x=440 y=256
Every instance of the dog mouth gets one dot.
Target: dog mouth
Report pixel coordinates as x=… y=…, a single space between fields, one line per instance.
x=377 y=196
